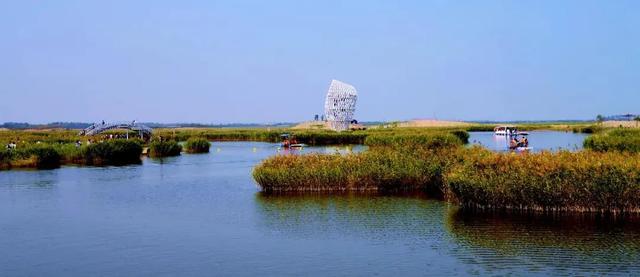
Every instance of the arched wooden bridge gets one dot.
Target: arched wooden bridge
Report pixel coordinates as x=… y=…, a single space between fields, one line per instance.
x=100 y=127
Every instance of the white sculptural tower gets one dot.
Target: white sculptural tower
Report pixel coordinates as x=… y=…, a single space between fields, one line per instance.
x=340 y=105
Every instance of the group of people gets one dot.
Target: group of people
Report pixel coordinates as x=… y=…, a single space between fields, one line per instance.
x=515 y=142
x=288 y=141
x=12 y=145
x=114 y=136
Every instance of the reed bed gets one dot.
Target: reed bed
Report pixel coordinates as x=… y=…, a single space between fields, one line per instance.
x=310 y=137
x=417 y=166
x=380 y=170
x=42 y=136
x=113 y=152
x=476 y=178
x=431 y=141
x=48 y=156
x=197 y=145
x=547 y=182
x=160 y=149
x=625 y=140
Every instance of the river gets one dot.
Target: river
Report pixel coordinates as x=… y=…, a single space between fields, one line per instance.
x=202 y=215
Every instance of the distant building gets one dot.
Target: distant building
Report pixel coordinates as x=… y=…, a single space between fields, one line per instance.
x=340 y=105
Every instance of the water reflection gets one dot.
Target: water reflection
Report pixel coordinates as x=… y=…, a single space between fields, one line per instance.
x=569 y=243
x=29 y=179
x=478 y=244
x=330 y=149
x=538 y=140
x=372 y=216
x=202 y=215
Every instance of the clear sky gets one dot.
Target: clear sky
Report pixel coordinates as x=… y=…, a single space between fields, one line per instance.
x=270 y=61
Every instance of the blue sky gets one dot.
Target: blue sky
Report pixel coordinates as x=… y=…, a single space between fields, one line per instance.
x=272 y=61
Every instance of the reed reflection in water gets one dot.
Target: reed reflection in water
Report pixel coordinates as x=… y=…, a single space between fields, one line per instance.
x=469 y=244
x=571 y=243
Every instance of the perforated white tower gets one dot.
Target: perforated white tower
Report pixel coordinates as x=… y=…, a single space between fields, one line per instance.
x=340 y=105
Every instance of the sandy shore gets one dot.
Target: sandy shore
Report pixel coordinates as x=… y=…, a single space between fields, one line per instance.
x=311 y=125
x=424 y=123
x=625 y=124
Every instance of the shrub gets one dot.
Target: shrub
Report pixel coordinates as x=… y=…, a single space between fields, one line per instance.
x=159 y=149
x=197 y=145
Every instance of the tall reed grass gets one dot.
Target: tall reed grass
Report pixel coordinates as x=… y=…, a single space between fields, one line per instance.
x=431 y=141
x=197 y=145
x=548 y=182
x=393 y=163
x=47 y=156
x=113 y=152
x=159 y=149
x=626 y=140
x=380 y=170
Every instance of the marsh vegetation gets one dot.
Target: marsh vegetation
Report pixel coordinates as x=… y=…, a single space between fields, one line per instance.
x=197 y=145
x=605 y=181
x=160 y=149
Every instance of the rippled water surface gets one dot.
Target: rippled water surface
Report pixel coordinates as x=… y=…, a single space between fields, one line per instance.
x=203 y=215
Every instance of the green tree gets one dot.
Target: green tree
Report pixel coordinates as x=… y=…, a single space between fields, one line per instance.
x=599 y=119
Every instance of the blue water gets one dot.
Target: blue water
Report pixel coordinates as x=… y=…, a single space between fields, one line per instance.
x=538 y=141
x=202 y=215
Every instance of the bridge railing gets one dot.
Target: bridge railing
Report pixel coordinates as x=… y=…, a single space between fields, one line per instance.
x=100 y=127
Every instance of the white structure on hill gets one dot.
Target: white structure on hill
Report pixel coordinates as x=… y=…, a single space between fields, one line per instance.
x=340 y=105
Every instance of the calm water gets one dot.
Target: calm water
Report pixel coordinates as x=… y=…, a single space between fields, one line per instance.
x=538 y=140
x=203 y=215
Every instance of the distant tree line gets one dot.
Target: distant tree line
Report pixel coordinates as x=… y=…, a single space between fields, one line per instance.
x=83 y=125
x=62 y=125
